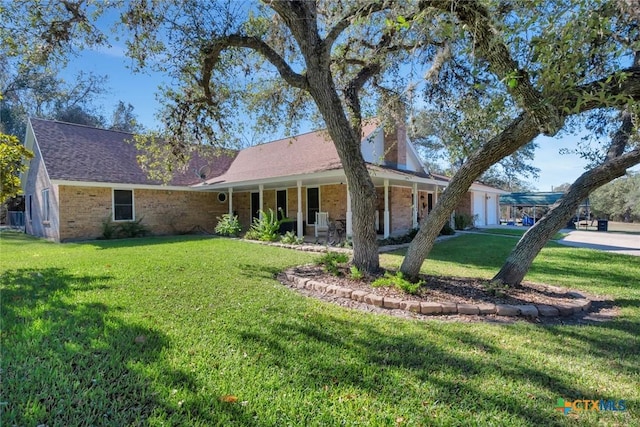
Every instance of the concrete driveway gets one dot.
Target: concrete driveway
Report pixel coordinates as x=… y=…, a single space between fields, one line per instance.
x=619 y=243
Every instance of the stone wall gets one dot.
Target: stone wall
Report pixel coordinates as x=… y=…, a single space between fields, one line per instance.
x=177 y=212
x=401 y=209
x=83 y=210
x=333 y=199
x=465 y=206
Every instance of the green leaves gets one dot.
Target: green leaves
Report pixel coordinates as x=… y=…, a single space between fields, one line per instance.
x=400 y=23
x=13 y=157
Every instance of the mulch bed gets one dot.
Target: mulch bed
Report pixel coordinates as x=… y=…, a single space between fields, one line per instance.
x=463 y=291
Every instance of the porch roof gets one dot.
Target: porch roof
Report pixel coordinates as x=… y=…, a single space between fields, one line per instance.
x=331 y=175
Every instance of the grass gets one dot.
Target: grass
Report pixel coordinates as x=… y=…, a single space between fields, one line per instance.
x=196 y=331
x=518 y=232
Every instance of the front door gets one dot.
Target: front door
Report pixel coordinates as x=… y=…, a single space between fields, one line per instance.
x=255 y=206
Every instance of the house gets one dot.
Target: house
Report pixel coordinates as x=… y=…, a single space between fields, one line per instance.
x=82 y=177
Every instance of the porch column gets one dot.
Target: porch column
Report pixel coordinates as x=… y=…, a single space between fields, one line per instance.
x=231 y=201
x=386 y=208
x=299 y=217
x=260 y=198
x=415 y=205
x=349 y=230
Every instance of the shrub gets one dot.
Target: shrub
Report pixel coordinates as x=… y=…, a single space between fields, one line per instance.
x=398 y=240
x=265 y=228
x=109 y=229
x=347 y=243
x=332 y=260
x=409 y=236
x=463 y=221
x=356 y=274
x=291 y=238
x=399 y=282
x=133 y=229
x=228 y=225
x=496 y=288
x=447 y=230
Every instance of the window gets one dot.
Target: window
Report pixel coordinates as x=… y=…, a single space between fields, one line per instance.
x=123 y=205
x=29 y=207
x=45 y=205
x=313 y=204
x=281 y=203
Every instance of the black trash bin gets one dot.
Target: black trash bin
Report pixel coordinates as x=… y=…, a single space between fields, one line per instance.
x=603 y=225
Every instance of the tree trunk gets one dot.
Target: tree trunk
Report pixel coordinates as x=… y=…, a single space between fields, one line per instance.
x=520 y=132
x=363 y=192
x=521 y=257
x=301 y=18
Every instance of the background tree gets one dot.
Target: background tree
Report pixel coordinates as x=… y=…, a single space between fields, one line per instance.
x=124 y=119
x=451 y=131
x=562 y=187
x=39 y=92
x=618 y=200
x=13 y=156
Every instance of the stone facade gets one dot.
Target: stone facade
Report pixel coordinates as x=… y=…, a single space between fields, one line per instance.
x=83 y=210
x=395 y=147
x=333 y=199
x=466 y=205
x=401 y=209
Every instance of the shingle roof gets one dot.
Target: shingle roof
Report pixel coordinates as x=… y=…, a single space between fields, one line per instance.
x=74 y=152
x=303 y=154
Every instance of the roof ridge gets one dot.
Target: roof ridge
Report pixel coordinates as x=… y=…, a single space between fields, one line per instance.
x=79 y=125
x=307 y=133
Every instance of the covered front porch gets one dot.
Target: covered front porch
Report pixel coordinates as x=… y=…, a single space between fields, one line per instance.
x=403 y=199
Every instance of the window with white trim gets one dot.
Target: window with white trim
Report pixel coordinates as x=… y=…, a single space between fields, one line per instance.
x=123 y=205
x=45 y=205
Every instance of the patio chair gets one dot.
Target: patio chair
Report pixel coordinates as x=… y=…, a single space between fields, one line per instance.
x=322 y=222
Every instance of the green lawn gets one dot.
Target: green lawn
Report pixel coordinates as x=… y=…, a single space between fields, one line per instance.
x=196 y=331
x=518 y=232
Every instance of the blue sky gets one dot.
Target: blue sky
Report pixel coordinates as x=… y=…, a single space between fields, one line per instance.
x=140 y=90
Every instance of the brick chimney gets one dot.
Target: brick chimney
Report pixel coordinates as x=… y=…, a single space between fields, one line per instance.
x=395 y=144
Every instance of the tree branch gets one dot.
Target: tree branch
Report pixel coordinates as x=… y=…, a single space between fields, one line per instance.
x=212 y=55
x=614 y=90
x=621 y=137
x=346 y=20
x=492 y=48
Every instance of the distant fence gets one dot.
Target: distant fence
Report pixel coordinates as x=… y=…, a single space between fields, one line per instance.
x=15 y=219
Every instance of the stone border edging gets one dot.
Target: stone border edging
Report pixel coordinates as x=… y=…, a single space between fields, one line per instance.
x=581 y=304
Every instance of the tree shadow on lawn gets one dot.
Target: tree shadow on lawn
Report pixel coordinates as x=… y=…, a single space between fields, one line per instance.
x=264 y=271
x=144 y=241
x=386 y=364
x=81 y=363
